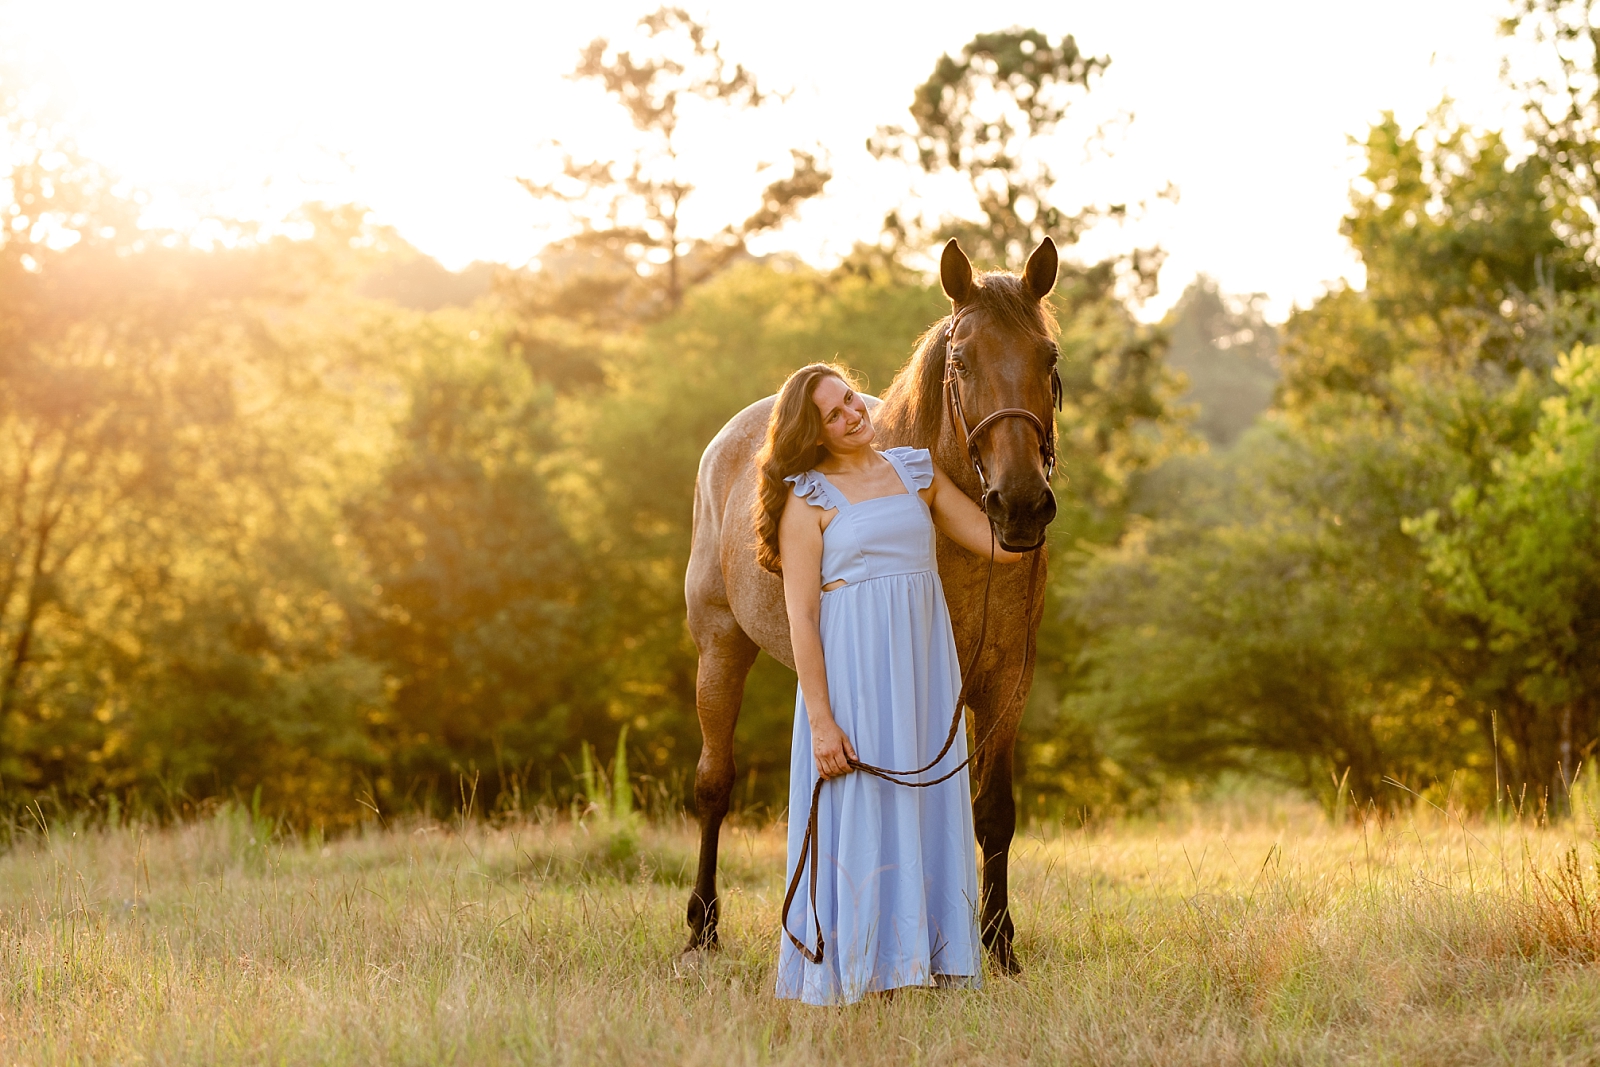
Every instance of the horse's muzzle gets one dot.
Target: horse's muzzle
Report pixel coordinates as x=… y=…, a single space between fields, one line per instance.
x=1020 y=526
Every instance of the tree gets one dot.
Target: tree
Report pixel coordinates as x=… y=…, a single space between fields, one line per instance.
x=91 y=422
x=630 y=255
x=1270 y=614
x=1517 y=555
x=985 y=115
x=1270 y=610
x=176 y=428
x=1228 y=351
x=1562 y=109
x=1464 y=258
x=481 y=605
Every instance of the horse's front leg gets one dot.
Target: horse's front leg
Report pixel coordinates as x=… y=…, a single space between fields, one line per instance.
x=994 y=814
x=726 y=655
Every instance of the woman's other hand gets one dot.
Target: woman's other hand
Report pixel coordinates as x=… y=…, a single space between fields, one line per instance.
x=831 y=749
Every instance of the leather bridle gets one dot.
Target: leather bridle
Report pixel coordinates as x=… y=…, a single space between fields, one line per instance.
x=971 y=434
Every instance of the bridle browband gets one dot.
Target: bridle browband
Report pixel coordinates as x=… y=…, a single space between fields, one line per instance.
x=971 y=434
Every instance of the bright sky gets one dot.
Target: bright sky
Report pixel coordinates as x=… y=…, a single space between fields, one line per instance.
x=427 y=112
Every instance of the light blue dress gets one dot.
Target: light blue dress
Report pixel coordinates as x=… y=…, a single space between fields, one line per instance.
x=897 y=888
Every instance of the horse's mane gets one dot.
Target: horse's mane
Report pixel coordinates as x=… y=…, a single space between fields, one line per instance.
x=918 y=390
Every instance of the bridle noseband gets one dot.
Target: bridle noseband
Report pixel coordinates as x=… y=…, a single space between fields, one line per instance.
x=952 y=393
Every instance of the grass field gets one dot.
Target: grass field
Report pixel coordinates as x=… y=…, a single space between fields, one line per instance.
x=1247 y=934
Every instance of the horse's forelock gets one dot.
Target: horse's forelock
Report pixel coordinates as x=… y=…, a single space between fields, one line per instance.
x=1009 y=300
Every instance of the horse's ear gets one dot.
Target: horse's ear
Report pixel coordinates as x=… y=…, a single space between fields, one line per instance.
x=955 y=273
x=1041 y=269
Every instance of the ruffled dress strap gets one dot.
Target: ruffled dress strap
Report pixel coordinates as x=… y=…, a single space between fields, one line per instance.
x=817 y=491
x=916 y=464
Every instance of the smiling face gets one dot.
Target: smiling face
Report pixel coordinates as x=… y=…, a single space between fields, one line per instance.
x=846 y=426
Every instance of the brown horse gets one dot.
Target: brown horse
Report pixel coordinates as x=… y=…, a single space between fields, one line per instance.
x=993 y=356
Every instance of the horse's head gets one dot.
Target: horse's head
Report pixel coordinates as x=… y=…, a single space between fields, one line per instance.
x=1001 y=388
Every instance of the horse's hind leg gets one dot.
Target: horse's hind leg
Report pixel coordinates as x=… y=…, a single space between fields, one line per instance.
x=726 y=655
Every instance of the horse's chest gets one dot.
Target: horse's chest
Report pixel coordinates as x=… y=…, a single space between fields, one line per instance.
x=1009 y=629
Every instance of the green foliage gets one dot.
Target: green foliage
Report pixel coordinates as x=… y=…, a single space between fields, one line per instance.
x=172 y=613
x=1466 y=265
x=1515 y=554
x=621 y=787
x=1561 y=105
x=1270 y=622
x=476 y=606
x=1450 y=227
x=1390 y=579
x=315 y=522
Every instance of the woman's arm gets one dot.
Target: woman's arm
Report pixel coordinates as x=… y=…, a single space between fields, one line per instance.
x=959 y=519
x=800 y=546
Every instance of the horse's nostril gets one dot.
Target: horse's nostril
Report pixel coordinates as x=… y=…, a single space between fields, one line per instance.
x=1014 y=506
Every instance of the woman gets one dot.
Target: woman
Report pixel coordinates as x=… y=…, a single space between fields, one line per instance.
x=851 y=530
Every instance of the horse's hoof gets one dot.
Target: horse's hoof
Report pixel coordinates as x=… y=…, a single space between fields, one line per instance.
x=702 y=921
x=702 y=941
x=691 y=961
x=1005 y=959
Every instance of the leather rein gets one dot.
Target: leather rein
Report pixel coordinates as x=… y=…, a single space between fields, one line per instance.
x=811 y=843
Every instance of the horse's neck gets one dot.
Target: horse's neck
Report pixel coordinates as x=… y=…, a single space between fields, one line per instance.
x=892 y=420
x=950 y=453
x=895 y=423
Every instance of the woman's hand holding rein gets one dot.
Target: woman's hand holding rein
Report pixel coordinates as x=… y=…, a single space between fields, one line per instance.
x=830 y=748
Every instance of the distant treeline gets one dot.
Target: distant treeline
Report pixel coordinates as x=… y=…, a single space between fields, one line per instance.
x=264 y=532
x=313 y=521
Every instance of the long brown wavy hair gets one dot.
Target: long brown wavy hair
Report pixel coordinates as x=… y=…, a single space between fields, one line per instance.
x=790 y=448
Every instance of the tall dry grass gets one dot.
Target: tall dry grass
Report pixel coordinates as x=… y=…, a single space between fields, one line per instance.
x=1230 y=934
